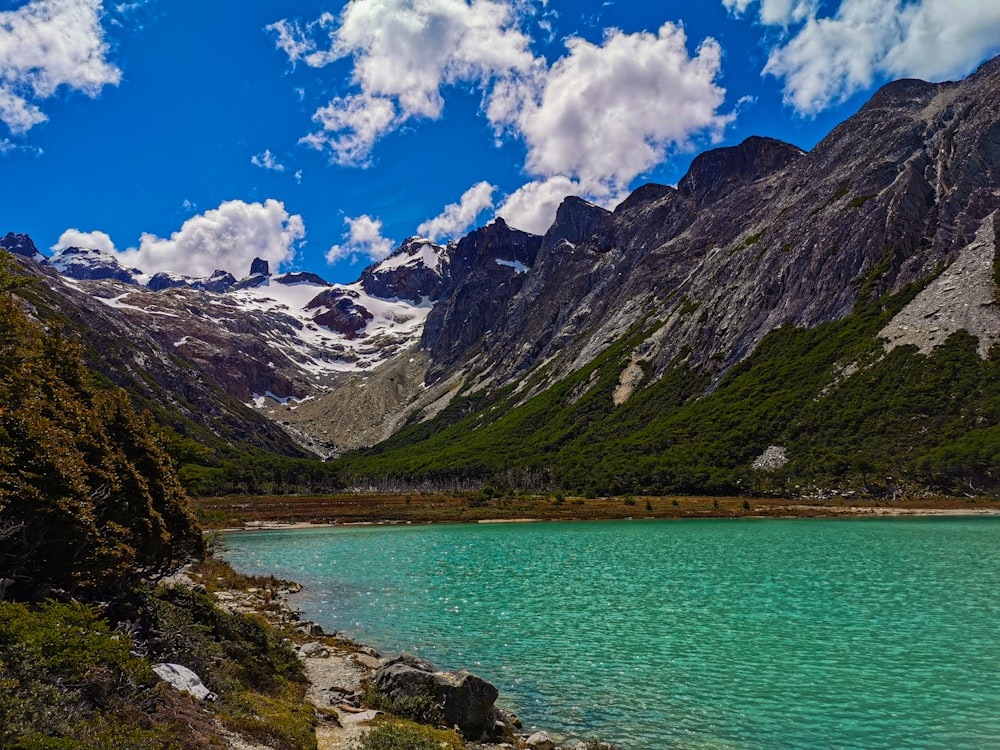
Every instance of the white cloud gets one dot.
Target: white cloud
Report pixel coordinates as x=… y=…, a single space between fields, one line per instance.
x=267 y=160
x=7 y=146
x=603 y=114
x=89 y=240
x=350 y=127
x=824 y=60
x=457 y=217
x=47 y=44
x=532 y=207
x=363 y=237
x=595 y=119
x=403 y=52
x=776 y=12
x=228 y=237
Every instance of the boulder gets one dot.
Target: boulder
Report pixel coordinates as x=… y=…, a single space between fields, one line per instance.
x=540 y=741
x=314 y=651
x=464 y=698
x=184 y=680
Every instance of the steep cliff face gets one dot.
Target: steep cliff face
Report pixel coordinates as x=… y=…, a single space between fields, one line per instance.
x=762 y=235
x=486 y=270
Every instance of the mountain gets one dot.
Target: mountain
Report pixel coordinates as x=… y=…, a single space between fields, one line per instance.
x=665 y=345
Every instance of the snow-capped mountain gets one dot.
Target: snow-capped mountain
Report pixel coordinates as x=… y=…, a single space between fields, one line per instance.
x=313 y=330
x=91 y=265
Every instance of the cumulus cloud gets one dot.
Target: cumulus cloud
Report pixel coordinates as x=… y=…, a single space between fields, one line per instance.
x=591 y=121
x=403 y=53
x=457 y=217
x=532 y=207
x=350 y=126
x=604 y=114
x=362 y=238
x=228 y=237
x=89 y=240
x=267 y=160
x=823 y=60
x=47 y=44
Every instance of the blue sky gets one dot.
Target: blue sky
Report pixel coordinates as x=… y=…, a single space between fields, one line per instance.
x=189 y=135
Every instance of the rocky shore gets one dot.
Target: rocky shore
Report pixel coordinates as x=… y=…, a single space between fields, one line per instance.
x=351 y=685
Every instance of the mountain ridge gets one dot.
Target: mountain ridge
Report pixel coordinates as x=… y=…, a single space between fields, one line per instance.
x=755 y=239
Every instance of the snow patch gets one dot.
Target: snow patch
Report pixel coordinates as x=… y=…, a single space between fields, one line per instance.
x=517 y=265
x=116 y=302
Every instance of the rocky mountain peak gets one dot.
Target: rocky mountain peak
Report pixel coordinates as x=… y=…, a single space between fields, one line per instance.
x=576 y=220
x=260 y=275
x=88 y=264
x=20 y=244
x=715 y=173
x=300 y=277
x=415 y=270
x=903 y=92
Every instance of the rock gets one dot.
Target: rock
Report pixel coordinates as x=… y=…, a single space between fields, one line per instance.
x=184 y=680
x=314 y=651
x=465 y=699
x=501 y=724
x=342 y=315
x=540 y=741
x=367 y=661
x=360 y=718
x=259 y=267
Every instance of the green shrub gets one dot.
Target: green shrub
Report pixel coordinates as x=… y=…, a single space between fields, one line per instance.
x=89 y=501
x=422 y=709
x=68 y=681
x=403 y=736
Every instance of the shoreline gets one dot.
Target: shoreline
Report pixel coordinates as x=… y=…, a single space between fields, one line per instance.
x=338 y=667
x=796 y=511
x=347 y=656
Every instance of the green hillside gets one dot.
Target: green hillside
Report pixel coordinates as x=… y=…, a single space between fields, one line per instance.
x=900 y=421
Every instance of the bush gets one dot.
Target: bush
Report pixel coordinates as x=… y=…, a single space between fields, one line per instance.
x=405 y=736
x=422 y=709
x=68 y=681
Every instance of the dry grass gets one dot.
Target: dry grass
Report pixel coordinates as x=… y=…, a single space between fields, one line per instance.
x=344 y=509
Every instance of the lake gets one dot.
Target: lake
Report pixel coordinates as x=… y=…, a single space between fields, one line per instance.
x=769 y=634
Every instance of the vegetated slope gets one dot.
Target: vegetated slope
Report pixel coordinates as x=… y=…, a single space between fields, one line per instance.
x=664 y=346
x=91 y=514
x=900 y=421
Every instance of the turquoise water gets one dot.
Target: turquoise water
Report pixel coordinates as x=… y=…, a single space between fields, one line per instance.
x=770 y=634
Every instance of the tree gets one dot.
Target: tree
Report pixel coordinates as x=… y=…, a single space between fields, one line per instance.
x=89 y=502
